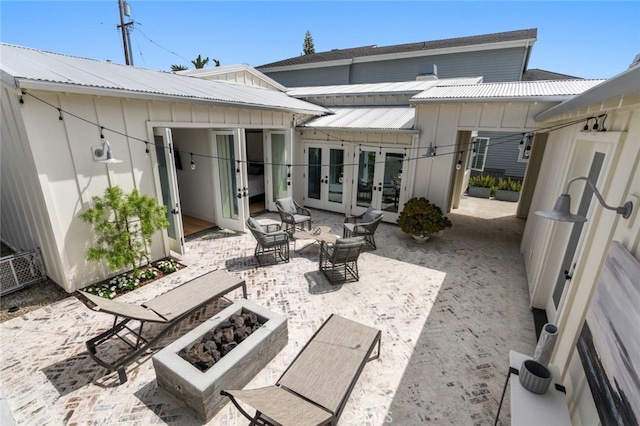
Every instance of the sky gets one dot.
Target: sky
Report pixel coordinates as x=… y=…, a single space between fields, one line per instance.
x=588 y=39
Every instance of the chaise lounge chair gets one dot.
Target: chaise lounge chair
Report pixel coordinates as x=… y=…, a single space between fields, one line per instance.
x=315 y=388
x=168 y=308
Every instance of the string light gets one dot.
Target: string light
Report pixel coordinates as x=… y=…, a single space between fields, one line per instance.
x=60 y=114
x=459 y=163
x=501 y=139
x=146 y=148
x=193 y=163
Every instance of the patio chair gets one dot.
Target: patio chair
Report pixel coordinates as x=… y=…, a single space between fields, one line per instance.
x=293 y=215
x=364 y=225
x=271 y=240
x=315 y=388
x=339 y=261
x=169 y=308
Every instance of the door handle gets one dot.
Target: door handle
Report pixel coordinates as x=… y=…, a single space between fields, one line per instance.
x=567 y=276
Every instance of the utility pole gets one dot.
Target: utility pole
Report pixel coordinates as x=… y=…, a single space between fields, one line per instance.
x=125 y=28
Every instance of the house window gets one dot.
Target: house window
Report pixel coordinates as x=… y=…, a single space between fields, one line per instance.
x=479 y=148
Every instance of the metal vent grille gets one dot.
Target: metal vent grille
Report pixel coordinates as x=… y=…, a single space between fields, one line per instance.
x=19 y=270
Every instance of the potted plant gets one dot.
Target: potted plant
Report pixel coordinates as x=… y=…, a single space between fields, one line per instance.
x=481 y=186
x=420 y=219
x=508 y=190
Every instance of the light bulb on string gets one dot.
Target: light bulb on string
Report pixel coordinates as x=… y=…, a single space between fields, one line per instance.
x=193 y=164
x=459 y=163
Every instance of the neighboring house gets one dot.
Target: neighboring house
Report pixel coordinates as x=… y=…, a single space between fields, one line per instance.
x=496 y=57
x=55 y=109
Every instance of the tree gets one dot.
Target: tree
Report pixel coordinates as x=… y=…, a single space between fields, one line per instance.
x=175 y=68
x=199 y=62
x=307 y=46
x=124 y=224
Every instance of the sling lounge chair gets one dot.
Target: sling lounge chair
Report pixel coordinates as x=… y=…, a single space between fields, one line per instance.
x=315 y=388
x=168 y=308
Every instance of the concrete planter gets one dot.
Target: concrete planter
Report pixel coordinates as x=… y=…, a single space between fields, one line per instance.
x=200 y=391
x=503 y=195
x=479 y=192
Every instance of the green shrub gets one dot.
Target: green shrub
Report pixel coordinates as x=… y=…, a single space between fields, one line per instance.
x=124 y=225
x=482 y=181
x=420 y=217
x=509 y=185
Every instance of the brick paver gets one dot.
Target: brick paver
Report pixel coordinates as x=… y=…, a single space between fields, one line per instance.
x=449 y=310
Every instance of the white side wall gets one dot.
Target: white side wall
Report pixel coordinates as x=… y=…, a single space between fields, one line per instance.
x=53 y=175
x=439 y=125
x=544 y=241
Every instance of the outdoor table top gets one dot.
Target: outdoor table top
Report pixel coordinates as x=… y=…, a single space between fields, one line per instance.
x=318 y=233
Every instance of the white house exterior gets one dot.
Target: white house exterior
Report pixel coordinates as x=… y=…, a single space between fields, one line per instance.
x=56 y=107
x=612 y=158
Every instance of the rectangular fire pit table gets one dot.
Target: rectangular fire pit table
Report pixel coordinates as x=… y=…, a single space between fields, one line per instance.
x=200 y=391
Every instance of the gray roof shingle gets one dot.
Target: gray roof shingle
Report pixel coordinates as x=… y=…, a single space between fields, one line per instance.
x=372 y=50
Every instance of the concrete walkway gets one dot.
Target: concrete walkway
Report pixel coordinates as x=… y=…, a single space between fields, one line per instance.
x=450 y=310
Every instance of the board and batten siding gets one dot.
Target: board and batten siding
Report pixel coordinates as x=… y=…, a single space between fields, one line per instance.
x=504 y=149
x=543 y=242
x=440 y=125
x=492 y=65
x=51 y=173
x=496 y=65
x=321 y=76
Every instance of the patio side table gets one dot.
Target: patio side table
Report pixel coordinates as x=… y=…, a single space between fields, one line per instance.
x=528 y=408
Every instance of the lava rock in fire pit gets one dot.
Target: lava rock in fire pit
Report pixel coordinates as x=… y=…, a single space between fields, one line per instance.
x=215 y=344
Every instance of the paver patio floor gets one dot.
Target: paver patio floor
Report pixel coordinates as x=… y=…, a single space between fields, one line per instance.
x=449 y=310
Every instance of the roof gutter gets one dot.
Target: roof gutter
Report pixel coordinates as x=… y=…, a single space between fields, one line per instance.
x=358 y=129
x=557 y=98
x=97 y=91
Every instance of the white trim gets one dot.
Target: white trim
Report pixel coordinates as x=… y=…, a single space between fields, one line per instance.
x=124 y=93
x=208 y=72
x=310 y=65
x=356 y=129
x=524 y=98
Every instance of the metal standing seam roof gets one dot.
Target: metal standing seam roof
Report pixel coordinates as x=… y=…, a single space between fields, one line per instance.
x=37 y=68
x=373 y=50
x=365 y=118
x=403 y=87
x=556 y=90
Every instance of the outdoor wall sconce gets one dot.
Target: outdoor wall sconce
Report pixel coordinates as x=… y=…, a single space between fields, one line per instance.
x=562 y=210
x=100 y=152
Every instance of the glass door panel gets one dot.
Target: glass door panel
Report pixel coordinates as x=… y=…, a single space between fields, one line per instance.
x=314 y=173
x=391 y=185
x=229 y=175
x=378 y=183
x=366 y=171
x=336 y=176
x=326 y=179
x=169 y=188
x=279 y=172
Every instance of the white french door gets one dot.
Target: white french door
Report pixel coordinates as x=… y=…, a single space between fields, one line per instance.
x=277 y=170
x=591 y=163
x=229 y=178
x=326 y=177
x=378 y=181
x=169 y=187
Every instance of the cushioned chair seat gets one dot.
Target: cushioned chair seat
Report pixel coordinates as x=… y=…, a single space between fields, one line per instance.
x=292 y=215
